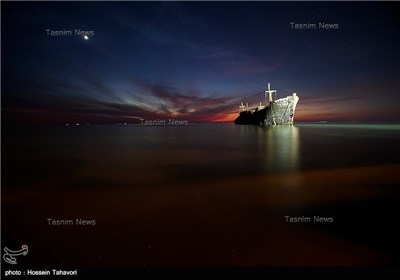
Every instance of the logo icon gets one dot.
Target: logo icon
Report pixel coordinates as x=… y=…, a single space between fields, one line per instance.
x=10 y=255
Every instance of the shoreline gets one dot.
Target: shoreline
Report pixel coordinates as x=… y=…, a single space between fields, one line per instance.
x=227 y=222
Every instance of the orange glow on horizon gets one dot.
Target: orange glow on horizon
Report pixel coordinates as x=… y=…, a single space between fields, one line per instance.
x=230 y=117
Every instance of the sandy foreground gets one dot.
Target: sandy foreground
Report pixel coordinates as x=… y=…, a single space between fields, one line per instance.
x=229 y=222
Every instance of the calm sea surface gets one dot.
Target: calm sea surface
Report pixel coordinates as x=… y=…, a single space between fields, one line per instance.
x=203 y=194
x=202 y=151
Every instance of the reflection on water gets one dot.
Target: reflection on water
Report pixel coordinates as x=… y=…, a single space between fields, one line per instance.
x=277 y=147
x=283 y=148
x=136 y=155
x=212 y=189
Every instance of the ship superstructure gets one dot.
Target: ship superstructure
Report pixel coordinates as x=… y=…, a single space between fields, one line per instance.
x=274 y=112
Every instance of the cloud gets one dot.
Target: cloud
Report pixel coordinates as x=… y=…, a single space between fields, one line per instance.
x=187 y=103
x=93 y=101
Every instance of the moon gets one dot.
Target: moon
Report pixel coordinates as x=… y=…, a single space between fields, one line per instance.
x=86 y=37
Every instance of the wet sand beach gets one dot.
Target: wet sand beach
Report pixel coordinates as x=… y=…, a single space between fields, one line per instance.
x=221 y=199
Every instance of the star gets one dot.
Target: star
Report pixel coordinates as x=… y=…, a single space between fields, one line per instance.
x=86 y=37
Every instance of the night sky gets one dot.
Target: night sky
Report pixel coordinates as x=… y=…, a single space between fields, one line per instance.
x=197 y=61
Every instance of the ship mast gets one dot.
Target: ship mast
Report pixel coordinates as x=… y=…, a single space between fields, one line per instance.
x=270 y=92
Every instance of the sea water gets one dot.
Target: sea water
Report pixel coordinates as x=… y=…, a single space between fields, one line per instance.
x=203 y=194
x=199 y=151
